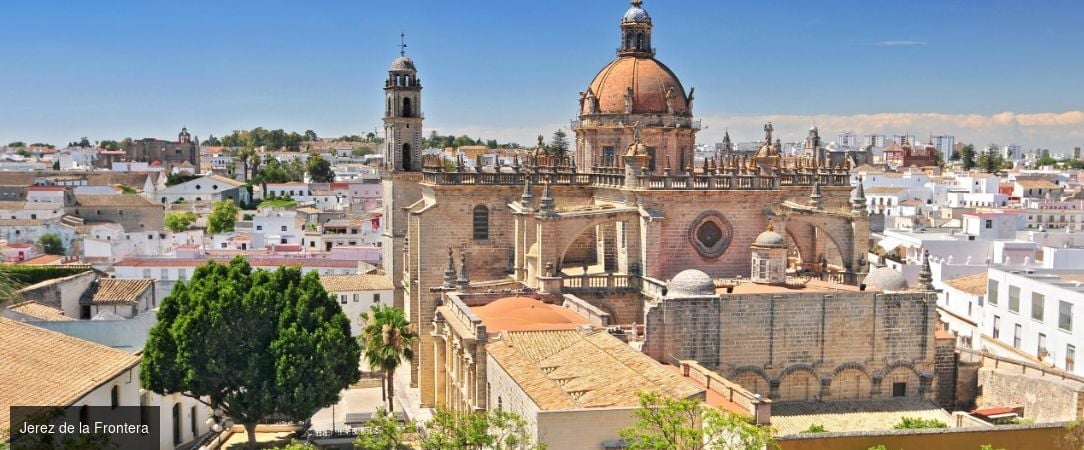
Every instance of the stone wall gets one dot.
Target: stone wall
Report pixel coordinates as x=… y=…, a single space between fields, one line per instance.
x=1044 y=398
x=797 y=347
x=63 y=293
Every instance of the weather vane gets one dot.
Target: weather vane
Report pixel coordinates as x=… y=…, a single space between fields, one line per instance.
x=402 y=43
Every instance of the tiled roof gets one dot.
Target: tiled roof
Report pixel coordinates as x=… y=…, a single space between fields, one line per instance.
x=1037 y=184
x=346 y=283
x=47 y=368
x=884 y=190
x=43 y=260
x=115 y=200
x=527 y=314
x=573 y=369
x=852 y=415
x=39 y=311
x=113 y=291
x=229 y=181
x=973 y=284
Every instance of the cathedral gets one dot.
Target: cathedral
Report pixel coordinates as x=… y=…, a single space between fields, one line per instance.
x=628 y=222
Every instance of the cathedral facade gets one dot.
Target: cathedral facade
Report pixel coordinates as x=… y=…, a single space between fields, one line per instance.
x=618 y=218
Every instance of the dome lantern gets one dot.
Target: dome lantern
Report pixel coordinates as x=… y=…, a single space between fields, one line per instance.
x=636 y=32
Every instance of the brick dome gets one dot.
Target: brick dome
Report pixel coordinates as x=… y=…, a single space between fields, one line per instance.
x=649 y=79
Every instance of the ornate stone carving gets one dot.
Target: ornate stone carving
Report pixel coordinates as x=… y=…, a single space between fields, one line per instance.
x=710 y=234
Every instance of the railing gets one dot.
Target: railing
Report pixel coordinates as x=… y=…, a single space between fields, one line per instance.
x=627 y=121
x=839 y=277
x=611 y=177
x=601 y=281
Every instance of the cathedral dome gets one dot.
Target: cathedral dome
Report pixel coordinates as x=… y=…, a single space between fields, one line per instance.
x=770 y=239
x=402 y=64
x=650 y=81
x=636 y=14
x=885 y=279
x=691 y=283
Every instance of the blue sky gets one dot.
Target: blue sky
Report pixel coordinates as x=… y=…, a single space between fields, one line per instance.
x=987 y=71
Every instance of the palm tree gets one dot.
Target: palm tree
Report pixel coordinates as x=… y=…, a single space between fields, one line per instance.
x=9 y=288
x=386 y=341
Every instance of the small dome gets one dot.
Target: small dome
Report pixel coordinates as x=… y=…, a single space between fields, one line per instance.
x=770 y=239
x=885 y=279
x=402 y=64
x=691 y=283
x=636 y=14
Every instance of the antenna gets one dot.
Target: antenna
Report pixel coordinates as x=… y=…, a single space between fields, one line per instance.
x=402 y=43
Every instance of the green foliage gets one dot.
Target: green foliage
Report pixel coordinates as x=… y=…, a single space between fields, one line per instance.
x=918 y=423
x=42 y=145
x=178 y=178
x=299 y=446
x=1046 y=160
x=279 y=202
x=386 y=341
x=179 y=221
x=991 y=162
x=815 y=428
x=124 y=188
x=310 y=135
x=967 y=157
x=211 y=141
x=260 y=137
x=383 y=432
x=361 y=151
x=56 y=165
x=110 y=145
x=51 y=244
x=23 y=152
x=17 y=144
x=1073 y=439
x=437 y=141
x=558 y=144
x=223 y=217
x=253 y=342
x=274 y=171
x=27 y=275
x=9 y=287
x=495 y=429
x=879 y=447
x=319 y=170
x=668 y=423
x=1073 y=163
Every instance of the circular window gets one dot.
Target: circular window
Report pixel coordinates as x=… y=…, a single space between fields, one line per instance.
x=710 y=234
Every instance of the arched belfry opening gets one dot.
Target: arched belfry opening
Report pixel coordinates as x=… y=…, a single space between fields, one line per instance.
x=407 y=110
x=405 y=157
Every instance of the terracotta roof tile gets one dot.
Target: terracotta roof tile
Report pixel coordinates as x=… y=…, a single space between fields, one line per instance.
x=120 y=291
x=115 y=200
x=39 y=311
x=573 y=369
x=47 y=368
x=972 y=284
x=345 y=283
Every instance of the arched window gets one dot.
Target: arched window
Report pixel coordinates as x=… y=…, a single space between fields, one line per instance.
x=628 y=41
x=640 y=41
x=389 y=106
x=406 y=157
x=114 y=397
x=406 y=107
x=481 y=223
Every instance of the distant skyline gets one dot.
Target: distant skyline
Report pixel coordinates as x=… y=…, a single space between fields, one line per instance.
x=996 y=71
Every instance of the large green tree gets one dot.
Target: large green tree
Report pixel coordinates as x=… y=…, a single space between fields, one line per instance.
x=494 y=429
x=254 y=343
x=386 y=341
x=179 y=221
x=558 y=144
x=51 y=244
x=223 y=217
x=319 y=170
x=687 y=424
x=967 y=157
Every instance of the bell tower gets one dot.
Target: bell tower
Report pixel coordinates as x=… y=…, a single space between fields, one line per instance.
x=402 y=115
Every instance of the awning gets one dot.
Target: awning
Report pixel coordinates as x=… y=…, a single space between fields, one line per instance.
x=889 y=244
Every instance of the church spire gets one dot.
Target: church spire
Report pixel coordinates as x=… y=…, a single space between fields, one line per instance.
x=636 y=32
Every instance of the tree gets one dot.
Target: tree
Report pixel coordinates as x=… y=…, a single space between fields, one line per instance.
x=179 y=221
x=109 y=145
x=559 y=144
x=1045 y=160
x=967 y=157
x=84 y=142
x=51 y=244
x=56 y=165
x=667 y=423
x=319 y=170
x=386 y=341
x=222 y=218
x=990 y=162
x=383 y=432
x=17 y=144
x=254 y=343
x=23 y=152
x=361 y=151
x=494 y=429
x=310 y=135
x=9 y=288
x=211 y=141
